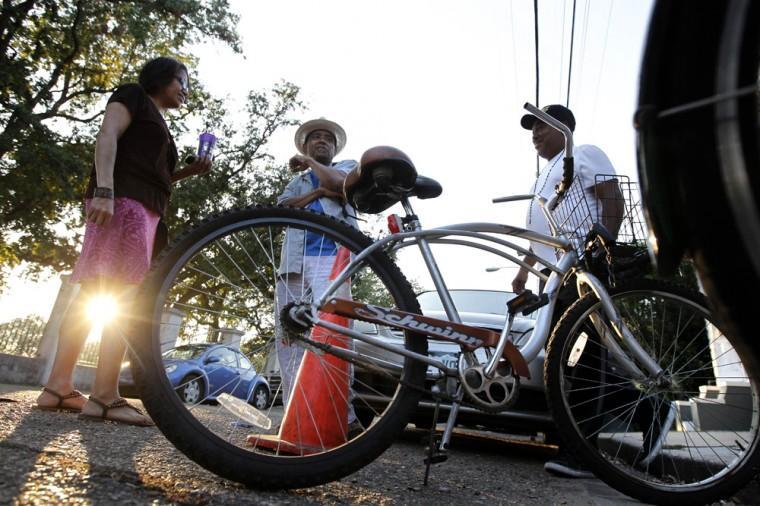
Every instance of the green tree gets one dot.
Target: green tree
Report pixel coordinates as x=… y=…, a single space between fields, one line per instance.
x=57 y=61
x=243 y=174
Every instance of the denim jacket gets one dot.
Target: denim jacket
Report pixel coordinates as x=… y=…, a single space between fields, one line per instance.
x=291 y=259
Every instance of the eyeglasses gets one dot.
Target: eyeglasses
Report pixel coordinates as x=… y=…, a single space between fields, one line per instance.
x=182 y=82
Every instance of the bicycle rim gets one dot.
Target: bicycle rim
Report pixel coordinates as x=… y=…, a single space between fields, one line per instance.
x=691 y=434
x=230 y=280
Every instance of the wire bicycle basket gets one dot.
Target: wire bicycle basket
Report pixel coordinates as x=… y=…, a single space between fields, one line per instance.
x=615 y=197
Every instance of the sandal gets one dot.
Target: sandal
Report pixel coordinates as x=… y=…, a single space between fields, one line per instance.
x=118 y=403
x=61 y=399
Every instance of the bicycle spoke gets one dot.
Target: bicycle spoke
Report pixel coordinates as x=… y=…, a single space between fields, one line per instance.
x=667 y=431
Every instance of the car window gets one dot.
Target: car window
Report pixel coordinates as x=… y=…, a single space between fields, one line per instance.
x=469 y=301
x=244 y=362
x=365 y=327
x=226 y=357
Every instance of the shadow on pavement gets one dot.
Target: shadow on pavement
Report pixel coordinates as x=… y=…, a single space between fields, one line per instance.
x=47 y=454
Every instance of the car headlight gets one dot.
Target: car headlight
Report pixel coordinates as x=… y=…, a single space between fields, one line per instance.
x=170 y=368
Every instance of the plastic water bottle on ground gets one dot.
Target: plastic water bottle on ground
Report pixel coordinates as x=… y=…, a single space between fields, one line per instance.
x=244 y=411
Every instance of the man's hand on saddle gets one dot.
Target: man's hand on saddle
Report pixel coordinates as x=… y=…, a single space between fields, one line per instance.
x=299 y=163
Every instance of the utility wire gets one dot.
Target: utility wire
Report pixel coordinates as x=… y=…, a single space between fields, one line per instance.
x=581 y=63
x=562 y=47
x=535 y=29
x=601 y=66
x=570 y=68
x=514 y=48
x=535 y=26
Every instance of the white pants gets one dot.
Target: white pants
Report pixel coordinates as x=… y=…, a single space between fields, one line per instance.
x=309 y=284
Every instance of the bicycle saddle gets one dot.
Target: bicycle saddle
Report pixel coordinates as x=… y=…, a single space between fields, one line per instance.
x=384 y=176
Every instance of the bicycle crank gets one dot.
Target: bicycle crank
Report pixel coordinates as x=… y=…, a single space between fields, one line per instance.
x=493 y=394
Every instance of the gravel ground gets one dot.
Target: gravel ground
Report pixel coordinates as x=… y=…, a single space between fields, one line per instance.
x=50 y=458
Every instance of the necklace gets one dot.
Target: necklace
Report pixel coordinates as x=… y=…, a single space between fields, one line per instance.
x=546 y=180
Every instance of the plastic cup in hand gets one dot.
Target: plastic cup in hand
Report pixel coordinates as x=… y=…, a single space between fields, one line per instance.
x=206 y=144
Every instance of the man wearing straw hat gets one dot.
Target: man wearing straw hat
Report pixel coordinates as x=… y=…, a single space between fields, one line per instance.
x=307 y=257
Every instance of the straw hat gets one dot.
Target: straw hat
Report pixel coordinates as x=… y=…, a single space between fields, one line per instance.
x=320 y=124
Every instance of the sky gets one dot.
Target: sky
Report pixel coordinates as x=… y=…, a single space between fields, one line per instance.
x=445 y=82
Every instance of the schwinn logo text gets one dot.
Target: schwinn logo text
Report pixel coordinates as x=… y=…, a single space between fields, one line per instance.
x=411 y=323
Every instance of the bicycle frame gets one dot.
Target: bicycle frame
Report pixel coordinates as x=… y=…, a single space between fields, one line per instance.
x=492 y=238
x=466 y=234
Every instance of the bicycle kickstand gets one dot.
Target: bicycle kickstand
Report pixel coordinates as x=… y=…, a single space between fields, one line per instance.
x=438 y=446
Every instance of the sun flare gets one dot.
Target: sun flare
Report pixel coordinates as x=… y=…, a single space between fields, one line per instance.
x=102 y=309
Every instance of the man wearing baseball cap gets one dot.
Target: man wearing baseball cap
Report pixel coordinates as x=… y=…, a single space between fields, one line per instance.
x=602 y=193
x=307 y=257
x=604 y=201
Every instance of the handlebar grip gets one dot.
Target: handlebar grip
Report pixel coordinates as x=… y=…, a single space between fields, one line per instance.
x=568 y=171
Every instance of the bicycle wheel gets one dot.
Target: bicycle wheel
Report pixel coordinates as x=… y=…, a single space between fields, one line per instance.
x=699 y=148
x=234 y=276
x=689 y=435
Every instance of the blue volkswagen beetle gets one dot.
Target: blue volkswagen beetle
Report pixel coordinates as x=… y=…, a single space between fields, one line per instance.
x=201 y=372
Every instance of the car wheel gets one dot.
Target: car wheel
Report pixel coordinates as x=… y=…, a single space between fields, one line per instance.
x=260 y=397
x=191 y=390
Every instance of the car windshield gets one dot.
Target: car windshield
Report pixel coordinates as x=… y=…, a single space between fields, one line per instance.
x=468 y=301
x=185 y=352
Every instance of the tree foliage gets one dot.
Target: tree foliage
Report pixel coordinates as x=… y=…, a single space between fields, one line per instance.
x=57 y=61
x=244 y=172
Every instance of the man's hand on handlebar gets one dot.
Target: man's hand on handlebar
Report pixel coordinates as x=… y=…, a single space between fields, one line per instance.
x=518 y=284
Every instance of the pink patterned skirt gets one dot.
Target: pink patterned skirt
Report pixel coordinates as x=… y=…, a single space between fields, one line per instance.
x=121 y=250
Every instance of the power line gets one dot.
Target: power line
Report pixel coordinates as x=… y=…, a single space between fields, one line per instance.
x=570 y=68
x=601 y=66
x=562 y=47
x=514 y=47
x=535 y=30
x=582 y=46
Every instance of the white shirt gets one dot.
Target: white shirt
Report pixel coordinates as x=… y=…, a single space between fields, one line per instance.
x=590 y=162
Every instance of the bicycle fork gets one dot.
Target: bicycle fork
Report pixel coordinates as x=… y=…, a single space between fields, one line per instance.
x=621 y=332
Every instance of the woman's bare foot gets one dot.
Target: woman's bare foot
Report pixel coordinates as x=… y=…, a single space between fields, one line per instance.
x=116 y=410
x=66 y=399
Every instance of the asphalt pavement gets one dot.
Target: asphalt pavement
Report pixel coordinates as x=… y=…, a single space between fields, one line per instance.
x=55 y=458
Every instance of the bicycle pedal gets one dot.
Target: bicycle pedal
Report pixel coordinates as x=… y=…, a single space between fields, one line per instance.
x=527 y=302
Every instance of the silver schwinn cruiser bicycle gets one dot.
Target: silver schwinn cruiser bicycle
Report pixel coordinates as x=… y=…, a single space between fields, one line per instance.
x=643 y=385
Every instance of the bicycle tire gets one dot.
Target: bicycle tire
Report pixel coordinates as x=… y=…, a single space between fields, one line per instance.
x=613 y=424
x=698 y=164
x=205 y=446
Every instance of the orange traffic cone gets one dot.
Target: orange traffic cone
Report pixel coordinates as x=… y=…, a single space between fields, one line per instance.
x=316 y=418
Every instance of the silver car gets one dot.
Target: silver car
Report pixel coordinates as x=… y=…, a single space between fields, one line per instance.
x=480 y=308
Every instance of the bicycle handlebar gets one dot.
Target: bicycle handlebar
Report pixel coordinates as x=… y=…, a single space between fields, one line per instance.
x=512 y=198
x=568 y=167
